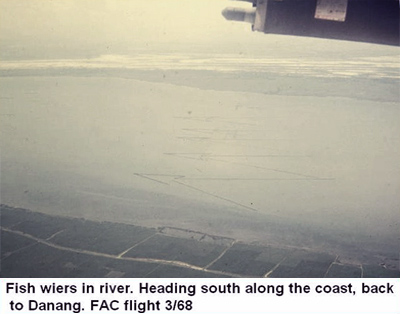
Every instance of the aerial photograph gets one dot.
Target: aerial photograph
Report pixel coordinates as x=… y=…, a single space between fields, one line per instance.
x=200 y=138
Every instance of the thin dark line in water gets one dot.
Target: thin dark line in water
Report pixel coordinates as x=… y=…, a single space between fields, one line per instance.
x=256 y=179
x=258 y=156
x=186 y=154
x=146 y=177
x=174 y=178
x=193 y=138
x=219 y=130
x=107 y=196
x=229 y=120
x=192 y=158
x=271 y=169
x=149 y=176
x=250 y=139
x=216 y=196
x=235 y=156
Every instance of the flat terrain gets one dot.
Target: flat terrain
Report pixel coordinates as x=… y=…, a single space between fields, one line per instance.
x=38 y=245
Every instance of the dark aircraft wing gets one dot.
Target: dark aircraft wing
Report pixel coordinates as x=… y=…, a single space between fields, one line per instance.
x=373 y=21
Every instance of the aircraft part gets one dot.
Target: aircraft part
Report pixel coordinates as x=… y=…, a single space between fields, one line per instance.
x=240 y=14
x=373 y=21
x=333 y=10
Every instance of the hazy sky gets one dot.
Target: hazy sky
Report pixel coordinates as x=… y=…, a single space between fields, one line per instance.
x=115 y=24
x=81 y=28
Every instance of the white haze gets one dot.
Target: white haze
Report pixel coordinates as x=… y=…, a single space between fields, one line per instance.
x=170 y=129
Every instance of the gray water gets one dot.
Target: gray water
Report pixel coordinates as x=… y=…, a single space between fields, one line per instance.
x=282 y=163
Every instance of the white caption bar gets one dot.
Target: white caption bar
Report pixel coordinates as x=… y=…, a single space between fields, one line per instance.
x=200 y=296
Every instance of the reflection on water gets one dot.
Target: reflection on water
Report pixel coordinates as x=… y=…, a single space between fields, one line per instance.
x=371 y=67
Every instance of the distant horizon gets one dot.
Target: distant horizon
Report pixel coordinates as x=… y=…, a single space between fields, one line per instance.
x=368 y=67
x=32 y=29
